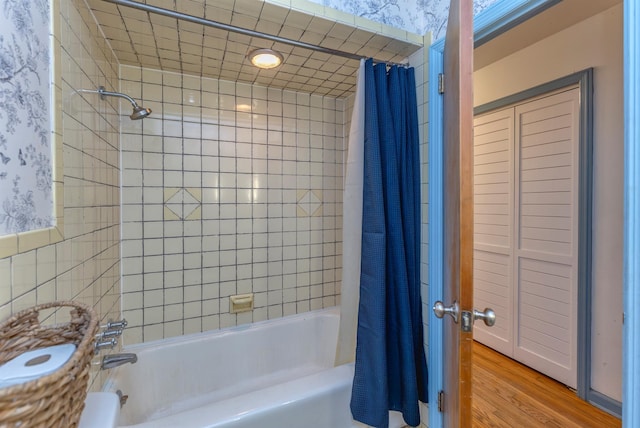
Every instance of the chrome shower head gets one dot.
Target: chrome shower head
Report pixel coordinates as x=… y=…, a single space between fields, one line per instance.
x=138 y=112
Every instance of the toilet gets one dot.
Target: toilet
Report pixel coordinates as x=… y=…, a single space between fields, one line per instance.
x=101 y=410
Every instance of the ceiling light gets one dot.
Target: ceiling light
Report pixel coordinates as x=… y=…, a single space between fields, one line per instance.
x=265 y=58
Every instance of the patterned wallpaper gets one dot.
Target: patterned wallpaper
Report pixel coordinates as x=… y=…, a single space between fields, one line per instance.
x=416 y=16
x=25 y=151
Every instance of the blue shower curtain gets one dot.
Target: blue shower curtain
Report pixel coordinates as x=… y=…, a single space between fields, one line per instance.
x=390 y=368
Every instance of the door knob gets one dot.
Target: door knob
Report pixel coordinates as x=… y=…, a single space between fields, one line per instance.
x=440 y=310
x=488 y=316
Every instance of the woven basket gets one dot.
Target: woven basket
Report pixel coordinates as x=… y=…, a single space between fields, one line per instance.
x=57 y=399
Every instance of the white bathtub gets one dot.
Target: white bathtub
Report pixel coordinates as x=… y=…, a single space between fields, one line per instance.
x=270 y=374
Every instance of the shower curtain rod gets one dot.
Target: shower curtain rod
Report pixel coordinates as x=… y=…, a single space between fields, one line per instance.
x=207 y=22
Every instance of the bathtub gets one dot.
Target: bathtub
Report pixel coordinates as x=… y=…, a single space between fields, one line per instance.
x=270 y=374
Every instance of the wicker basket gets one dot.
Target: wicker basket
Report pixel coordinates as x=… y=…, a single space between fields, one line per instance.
x=57 y=399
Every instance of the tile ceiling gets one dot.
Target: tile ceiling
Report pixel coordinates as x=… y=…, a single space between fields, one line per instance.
x=155 y=41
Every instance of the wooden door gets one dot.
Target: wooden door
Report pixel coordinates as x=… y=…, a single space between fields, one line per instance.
x=458 y=210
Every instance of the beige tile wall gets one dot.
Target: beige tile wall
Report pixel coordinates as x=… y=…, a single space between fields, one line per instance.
x=227 y=189
x=85 y=266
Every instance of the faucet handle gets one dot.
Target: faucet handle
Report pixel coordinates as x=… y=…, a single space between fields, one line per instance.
x=115 y=324
x=106 y=343
x=109 y=333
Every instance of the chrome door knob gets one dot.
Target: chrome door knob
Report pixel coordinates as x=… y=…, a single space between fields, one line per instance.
x=488 y=316
x=440 y=310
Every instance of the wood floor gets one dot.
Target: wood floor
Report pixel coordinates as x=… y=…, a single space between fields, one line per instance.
x=508 y=394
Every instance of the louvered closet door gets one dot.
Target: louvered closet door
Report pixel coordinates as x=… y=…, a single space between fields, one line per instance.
x=525 y=259
x=493 y=226
x=546 y=250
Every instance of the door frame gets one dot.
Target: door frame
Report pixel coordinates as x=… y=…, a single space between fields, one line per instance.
x=631 y=251
x=493 y=21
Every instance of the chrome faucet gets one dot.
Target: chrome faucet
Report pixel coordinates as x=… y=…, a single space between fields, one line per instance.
x=115 y=360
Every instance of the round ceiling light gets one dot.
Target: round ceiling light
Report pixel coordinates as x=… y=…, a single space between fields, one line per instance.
x=265 y=58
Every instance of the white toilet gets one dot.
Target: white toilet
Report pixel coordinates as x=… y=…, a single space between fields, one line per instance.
x=101 y=410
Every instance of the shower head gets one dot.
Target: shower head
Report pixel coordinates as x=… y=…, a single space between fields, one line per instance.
x=138 y=112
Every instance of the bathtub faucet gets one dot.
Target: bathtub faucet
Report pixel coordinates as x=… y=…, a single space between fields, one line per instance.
x=115 y=360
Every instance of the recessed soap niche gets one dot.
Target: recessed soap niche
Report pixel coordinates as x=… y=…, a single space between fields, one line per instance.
x=241 y=303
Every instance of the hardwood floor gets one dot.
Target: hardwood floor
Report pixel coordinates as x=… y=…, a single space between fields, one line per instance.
x=508 y=394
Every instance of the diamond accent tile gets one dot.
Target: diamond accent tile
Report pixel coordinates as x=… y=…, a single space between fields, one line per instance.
x=309 y=203
x=182 y=204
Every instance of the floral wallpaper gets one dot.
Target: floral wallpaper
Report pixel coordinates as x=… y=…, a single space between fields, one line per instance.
x=26 y=195
x=416 y=16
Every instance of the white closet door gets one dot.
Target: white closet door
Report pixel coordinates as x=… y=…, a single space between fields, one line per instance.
x=526 y=232
x=546 y=238
x=493 y=226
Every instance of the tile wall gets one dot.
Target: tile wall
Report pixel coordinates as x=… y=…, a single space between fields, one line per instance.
x=85 y=266
x=227 y=189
